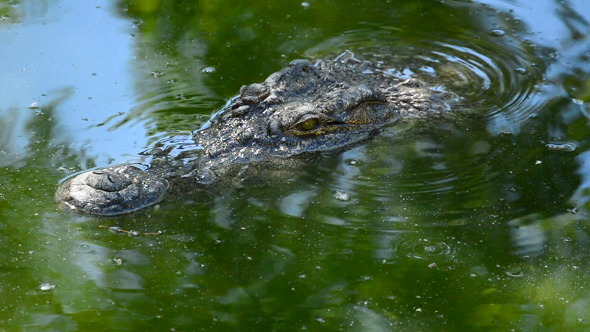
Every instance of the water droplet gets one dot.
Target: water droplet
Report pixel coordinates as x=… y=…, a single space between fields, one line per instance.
x=566 y=147
x=46 y=286
x=498 y=33
x=305 y=4
x=521 y=70
x=208 y=70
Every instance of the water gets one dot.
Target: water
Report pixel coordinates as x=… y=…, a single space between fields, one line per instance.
x=476 y=222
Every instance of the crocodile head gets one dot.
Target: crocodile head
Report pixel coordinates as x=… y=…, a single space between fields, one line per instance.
x=307 y=107
x=303 y=109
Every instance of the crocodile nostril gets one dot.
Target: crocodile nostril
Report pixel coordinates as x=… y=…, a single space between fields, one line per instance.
x=107 y=181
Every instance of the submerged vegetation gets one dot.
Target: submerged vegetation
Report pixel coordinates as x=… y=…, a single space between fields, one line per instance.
x=478 y=223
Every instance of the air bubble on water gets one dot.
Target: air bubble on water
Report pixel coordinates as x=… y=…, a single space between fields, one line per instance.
x=521 y=70
x=565 y=147
x=342 y=196
x=515 y=273
x=498 y=33
x=34 y=106
x=353 y=162
x=430 y=249
x=156 y=73
x=46 y=286
x=208 y=70
x=305 y=4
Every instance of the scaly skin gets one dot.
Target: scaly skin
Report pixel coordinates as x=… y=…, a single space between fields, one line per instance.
x=305 y=108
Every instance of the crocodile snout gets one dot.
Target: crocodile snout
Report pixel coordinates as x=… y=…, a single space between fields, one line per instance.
x=111 y=191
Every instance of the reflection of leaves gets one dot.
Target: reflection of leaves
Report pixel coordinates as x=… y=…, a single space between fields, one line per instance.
x=554 y=298
x=496 y=317
x=27 y=163
x=143 y=7
x=7 y=135
x=245 y=41
x=8 y=11
x=27 y=136
x=579 y=89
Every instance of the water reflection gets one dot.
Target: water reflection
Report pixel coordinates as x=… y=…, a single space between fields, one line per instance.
x=582 y=196
x=476 y=221
x=56 y=46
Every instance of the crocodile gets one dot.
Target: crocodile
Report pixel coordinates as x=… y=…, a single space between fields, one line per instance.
x=306 y=109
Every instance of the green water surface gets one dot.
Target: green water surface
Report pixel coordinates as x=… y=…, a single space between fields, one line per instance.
x=478 y=222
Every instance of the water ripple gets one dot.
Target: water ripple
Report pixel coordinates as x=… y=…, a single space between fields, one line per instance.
x=497 y=77
x=500 y=83
x=424 y=248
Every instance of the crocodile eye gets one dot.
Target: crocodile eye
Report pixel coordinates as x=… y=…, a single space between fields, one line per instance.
x=309 y=124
